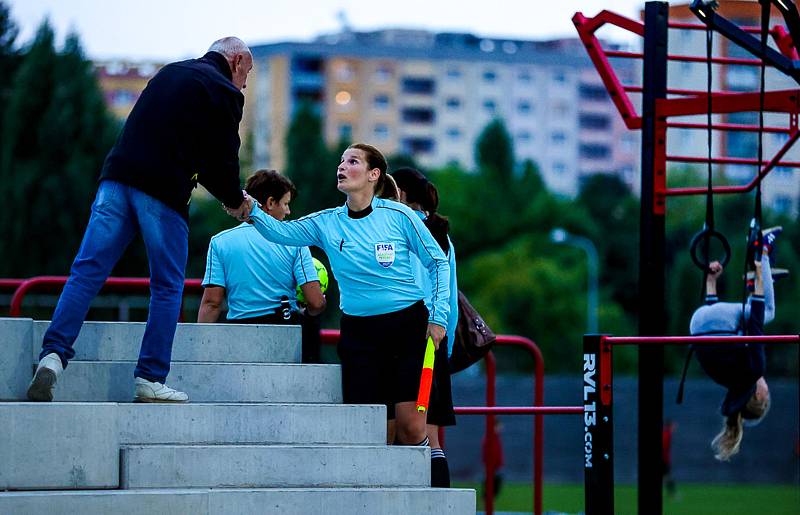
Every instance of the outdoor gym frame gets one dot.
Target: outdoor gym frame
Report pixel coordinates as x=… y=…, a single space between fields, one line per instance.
x=654 y=121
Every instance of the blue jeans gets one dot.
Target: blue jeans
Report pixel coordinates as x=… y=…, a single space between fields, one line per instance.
x=119 y=212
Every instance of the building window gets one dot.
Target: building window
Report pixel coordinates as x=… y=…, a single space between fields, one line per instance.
x=453 y=73
x=343 y=98
x=417 y=145
x=594 y=121
x=418 y=86
x=490 y=106
x=454 y=133
x=383 y=73
x=424 y=115
x=594 y=151
x=524 y=107
x=592 y=92
x=489 y=76
x=524 y=137
x=381 y=102
x=558 y=138
x=559 y=168
x=524 y=76
x=559 y=76
x=453 y=103
x=344 y=72
x=307 y=64
x=123 y=98
x=381 y=131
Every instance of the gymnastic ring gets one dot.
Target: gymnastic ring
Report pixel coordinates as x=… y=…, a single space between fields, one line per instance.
x=708 y=234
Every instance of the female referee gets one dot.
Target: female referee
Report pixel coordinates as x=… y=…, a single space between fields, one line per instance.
x=385 y=324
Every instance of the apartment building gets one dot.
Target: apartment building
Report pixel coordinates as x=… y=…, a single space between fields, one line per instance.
x=430 y=95
x=122 y=82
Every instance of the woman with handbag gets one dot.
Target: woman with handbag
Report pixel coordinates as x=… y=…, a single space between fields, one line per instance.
x=418 y=193
x=371 y=244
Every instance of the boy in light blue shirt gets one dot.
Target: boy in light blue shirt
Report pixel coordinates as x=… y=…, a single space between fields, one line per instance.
x=257 y=277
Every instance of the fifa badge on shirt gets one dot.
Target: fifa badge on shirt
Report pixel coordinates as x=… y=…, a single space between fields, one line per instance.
x=384 y=254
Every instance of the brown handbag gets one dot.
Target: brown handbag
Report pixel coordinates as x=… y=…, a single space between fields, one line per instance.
x=473 y=339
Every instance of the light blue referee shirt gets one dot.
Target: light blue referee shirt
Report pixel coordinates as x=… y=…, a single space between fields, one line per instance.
x=371 y=256
x=425 y=283
x=254 y=272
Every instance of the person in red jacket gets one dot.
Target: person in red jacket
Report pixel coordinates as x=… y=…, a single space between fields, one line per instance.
x=492 y=451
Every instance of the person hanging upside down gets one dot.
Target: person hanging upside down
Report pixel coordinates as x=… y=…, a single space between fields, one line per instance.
x=739 y=367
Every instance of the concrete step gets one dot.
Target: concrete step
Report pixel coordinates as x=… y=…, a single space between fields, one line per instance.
x=16 y=335
x=299 y=501
x=102 y=381
x=270 y=466
x=226 y=343
x=58 y=446
x=252 y=423
x=21 y=341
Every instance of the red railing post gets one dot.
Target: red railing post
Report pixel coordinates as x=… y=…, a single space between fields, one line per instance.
x=490 y=457
x=121 y=284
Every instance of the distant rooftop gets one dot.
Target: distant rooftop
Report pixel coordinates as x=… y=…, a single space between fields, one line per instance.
x=421 y=44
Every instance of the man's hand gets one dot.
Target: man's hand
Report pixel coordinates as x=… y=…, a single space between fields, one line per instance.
x=242 y=213
x=436 y=332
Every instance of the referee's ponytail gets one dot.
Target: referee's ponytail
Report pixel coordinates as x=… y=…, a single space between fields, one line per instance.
x=420 y=191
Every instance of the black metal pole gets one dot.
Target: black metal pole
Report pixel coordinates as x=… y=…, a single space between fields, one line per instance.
x=598 y=435
x=651 y=261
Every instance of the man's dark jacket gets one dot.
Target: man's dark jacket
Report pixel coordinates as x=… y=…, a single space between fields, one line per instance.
x=183 y=129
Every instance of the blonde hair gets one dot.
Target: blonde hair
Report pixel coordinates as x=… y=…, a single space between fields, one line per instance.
x=726 y=444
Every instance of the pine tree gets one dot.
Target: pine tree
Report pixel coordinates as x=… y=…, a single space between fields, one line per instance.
x=9 y=58
x=310 y=165
x=56 y=133
x=494 y=152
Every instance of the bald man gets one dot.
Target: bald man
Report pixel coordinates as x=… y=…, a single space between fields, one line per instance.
x=183 y=130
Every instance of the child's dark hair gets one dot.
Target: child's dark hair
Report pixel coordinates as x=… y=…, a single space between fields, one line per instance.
x=419 y=190
x=264 y=184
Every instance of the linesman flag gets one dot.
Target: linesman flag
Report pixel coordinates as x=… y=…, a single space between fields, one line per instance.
x=426 y=380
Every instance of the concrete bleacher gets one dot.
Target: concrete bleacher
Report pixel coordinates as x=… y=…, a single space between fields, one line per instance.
x=262 y=433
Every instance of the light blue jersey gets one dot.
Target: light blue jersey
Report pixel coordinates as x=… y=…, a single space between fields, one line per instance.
x=425 y=283
x=255 y=273
x=371 y=256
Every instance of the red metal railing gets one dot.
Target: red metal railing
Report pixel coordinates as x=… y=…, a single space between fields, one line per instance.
x=331 y=336
x=54 y=283
x=608 y=342
x=693 y=102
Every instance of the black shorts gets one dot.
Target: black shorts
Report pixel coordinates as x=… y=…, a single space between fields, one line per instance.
x=440 y=409
x=382 y=356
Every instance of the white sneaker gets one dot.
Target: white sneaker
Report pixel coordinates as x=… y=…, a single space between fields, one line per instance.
x=45 y=378
x=148 y=391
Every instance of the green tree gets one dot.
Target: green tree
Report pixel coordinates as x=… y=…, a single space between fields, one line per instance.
x=494 y=152
x=309 y=163
x=9 y=58
x=613 y=213
x=56 y=133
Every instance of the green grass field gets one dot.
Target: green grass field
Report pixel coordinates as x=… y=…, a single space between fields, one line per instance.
x=690 y=499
